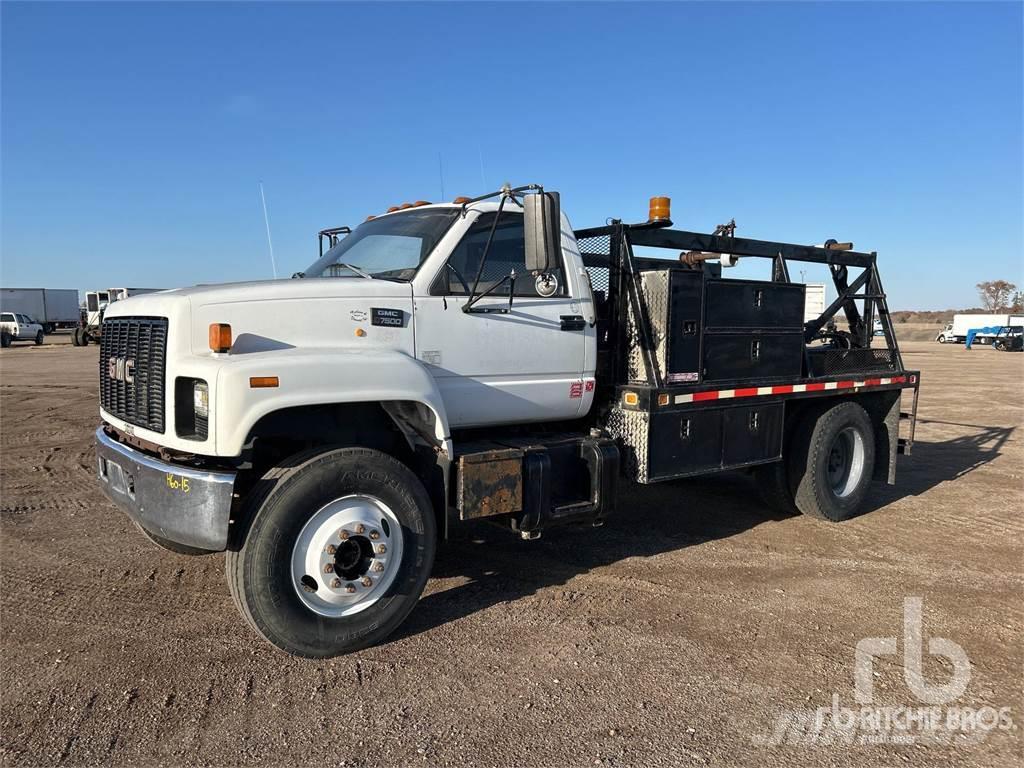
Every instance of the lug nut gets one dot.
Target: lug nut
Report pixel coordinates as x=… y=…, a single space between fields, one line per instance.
x=343 y=534
x=350 y=588
x=381 y=549
x=335 y=583
x=329 y=568
x=360 y=528
x=367 y=581
x=331 y=549
x=374 y=534
x=377 y=567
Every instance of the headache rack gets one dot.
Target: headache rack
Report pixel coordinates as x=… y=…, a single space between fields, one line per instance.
x=693 y=370
x=635 y=297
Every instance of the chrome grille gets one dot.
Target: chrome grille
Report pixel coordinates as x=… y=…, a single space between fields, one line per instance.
x=143 y=341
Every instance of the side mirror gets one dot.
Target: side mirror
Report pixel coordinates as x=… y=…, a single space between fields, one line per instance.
x=543 y=225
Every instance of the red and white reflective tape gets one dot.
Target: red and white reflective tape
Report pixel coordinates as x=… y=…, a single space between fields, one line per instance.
x=787 y=389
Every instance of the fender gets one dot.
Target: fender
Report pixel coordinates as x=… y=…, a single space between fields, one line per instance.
x=318 y=376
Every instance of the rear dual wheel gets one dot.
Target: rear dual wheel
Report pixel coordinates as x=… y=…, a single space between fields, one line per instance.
x=827 y=466
x=337 y=549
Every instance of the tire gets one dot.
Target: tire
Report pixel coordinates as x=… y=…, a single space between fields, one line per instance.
x=298 y=507
x=74 y=337
x=832 y=461
x=83 y=338
x=172 y=546
x=5 y=339
x=40 y=338
x=941 y=339
x=774 y=480
x=49 y=328
x=773 y=485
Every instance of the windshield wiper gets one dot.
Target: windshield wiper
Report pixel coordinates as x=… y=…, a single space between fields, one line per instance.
x=357 y=270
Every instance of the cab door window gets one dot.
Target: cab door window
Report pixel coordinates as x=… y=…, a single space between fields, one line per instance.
x=507 y=253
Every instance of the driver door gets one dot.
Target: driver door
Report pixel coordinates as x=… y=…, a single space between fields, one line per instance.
x=495 y=367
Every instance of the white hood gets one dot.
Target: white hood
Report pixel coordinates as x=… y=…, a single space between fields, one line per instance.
x=279 y=314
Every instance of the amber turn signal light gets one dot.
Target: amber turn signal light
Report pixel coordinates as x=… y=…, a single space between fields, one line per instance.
x=261 y=382
x=220 y=337
x=461 y=199
x=660 y=209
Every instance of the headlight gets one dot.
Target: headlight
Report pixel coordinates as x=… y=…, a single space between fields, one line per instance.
x=201 y=399
x=191 y=408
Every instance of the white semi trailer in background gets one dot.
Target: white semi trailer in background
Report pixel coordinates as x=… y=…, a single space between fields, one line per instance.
x=814 y=301
x=956 y=332
x=52 y=308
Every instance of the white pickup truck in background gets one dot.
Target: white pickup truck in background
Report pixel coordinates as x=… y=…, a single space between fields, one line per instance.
x=14 y=326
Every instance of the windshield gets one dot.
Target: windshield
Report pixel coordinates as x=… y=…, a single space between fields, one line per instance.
x=391 y=247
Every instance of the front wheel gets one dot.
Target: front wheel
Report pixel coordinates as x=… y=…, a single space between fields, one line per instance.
x=338 y=549
x=941 y=339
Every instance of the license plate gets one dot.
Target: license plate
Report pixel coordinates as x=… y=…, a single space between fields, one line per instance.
x=119 y=480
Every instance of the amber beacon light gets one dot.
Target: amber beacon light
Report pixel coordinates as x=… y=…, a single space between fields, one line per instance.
x=659 y=211
x=220 y=337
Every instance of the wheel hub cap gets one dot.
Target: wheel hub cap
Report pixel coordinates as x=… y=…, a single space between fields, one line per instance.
x=845 y=465
x=347 y=555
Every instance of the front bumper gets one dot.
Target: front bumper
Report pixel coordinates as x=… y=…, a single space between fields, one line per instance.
x=182 y=504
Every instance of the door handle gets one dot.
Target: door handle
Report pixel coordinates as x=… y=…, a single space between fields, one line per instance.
x=573 y=322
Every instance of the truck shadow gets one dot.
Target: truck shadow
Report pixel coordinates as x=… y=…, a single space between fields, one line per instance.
x=493 y=566
x=938 y=461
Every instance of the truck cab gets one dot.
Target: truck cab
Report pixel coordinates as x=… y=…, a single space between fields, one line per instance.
x=452 y=362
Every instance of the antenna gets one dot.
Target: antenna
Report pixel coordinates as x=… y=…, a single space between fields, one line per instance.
x=266 y=220
x=480 y=153
x=440 y=170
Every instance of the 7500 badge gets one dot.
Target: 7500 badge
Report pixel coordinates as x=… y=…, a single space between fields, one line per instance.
x=394 y=318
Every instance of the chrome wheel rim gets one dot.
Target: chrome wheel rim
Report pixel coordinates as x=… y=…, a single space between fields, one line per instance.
x=845 y=465
x=347 y=556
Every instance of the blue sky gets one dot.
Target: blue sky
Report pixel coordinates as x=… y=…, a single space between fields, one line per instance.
x=134 y=135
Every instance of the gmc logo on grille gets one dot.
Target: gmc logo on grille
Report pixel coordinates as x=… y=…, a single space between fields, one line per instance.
x=121 y=369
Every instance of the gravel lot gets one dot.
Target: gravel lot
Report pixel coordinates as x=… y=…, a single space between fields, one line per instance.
x=684 y=632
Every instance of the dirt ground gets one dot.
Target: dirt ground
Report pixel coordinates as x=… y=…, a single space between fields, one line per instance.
x=693 y=629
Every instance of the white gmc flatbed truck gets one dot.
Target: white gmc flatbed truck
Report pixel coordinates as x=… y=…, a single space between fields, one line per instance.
x=480 y=360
